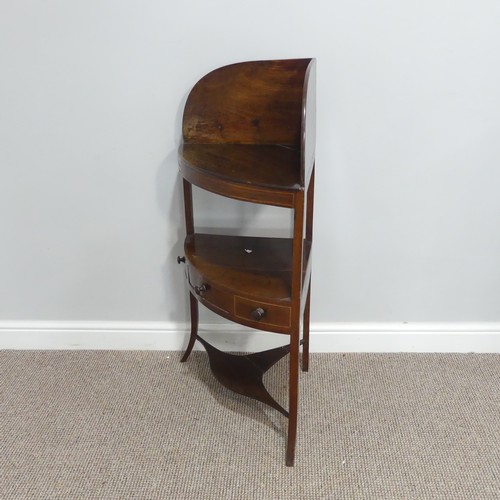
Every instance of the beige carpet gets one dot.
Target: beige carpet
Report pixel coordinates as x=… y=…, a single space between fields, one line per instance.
x=127 y=425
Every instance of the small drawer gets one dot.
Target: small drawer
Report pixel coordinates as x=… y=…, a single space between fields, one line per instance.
x=262 y=313
x=208 y=294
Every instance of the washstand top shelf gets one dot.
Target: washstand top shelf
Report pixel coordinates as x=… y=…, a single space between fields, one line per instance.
x=248 y=131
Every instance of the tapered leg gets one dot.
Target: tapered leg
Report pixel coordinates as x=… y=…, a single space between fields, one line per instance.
x=309 y=237
x=293 y=398
x=305 y=346
x=193 y=303
x=298 y=247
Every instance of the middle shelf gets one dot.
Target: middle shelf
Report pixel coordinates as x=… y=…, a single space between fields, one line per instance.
x=246 y=279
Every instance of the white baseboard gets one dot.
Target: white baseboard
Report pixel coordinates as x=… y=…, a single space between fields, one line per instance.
x=325 y=337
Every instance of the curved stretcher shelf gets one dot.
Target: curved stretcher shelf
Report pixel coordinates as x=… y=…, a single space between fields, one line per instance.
x=243 y=373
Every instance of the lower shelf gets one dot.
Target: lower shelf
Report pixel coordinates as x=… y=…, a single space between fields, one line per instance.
x=243 y=373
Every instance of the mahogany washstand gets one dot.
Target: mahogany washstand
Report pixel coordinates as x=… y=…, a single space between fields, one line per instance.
x=249 y=134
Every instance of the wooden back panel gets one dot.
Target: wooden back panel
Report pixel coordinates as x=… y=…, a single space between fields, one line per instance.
x=259 y=102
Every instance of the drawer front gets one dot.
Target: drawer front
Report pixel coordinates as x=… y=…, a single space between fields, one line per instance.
x=208 y=294
x=262 y=313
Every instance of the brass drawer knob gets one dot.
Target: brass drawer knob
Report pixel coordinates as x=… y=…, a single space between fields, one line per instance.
x=258 y=314
x=200 y=289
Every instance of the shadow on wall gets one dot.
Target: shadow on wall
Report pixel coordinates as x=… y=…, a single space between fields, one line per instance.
x=170 y=187
x=169 y=197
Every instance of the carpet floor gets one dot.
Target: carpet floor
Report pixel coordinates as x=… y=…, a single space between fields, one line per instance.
x=141 y=425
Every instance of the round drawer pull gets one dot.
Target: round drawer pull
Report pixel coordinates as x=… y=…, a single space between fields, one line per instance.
x=258 y=314
x=200 y=289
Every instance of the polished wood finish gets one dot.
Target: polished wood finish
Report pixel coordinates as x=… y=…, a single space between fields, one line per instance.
x=308 y=241
x=243 y=373
x=261 y=165
x=193 y=305
x=248 y=134
x=259 y=102
x=257 y=173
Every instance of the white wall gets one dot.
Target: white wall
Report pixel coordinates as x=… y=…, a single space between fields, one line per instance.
x=408 y=153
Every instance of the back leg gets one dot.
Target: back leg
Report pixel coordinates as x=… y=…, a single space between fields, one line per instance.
x=307 y=315
x=193 y=303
